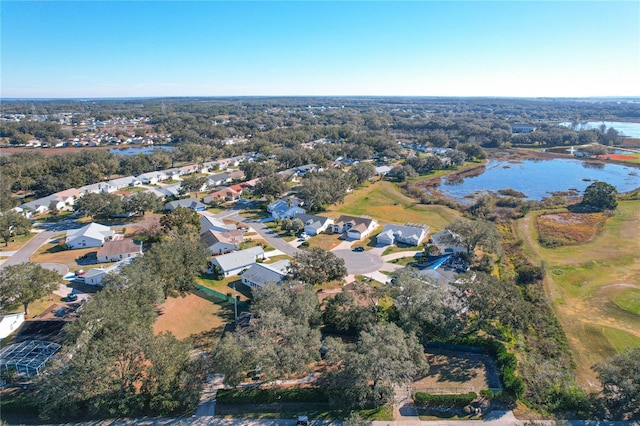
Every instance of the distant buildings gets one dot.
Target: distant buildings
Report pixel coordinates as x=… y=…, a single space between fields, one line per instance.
x=522 y=128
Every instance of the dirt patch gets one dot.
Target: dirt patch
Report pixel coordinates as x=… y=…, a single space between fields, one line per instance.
x=191 y=315
x=457 y=372
x=561 y=229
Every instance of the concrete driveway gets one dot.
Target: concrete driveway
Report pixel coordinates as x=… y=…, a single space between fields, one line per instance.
x=359 y=262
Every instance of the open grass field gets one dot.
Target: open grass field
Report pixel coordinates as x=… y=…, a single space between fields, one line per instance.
x=594 y=287
x=561 y=229
x=191 y=315
x=325 y=241
x=384 y=202
x=17 y=242
x=55 y=252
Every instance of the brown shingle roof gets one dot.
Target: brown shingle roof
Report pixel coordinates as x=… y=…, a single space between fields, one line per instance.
x=118 y=247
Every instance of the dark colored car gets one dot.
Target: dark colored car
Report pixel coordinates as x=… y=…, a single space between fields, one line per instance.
x=359 y=249
x=71 y=297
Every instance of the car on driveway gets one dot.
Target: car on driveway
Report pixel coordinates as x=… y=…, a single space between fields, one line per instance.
x=71 y=297
x=359 y=249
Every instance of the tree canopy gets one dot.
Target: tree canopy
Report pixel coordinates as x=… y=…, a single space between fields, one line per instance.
x=600 y=196
x=317 y=266
x=13 y=224
x=620 y=378
x=25 y=283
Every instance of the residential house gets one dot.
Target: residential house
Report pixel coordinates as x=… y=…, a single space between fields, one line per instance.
x=42 y=205
x=97 y=188
x=285 y=208
x=91 y=235
x=152 y=178
x=68 y=197
x=222 y=194
x=259 y=274
x=187 y=170
x=441 y=241
x=213 y=223
x=125 y=182
x=10 y=323
x=94 y=276
x=314 y=225
x=522 y=128
x=172 y=190
x=235 y=262
x=209 y=166
x=114 y=251
x=382 y=170
x=189 y=203
x=355 y=227
x=235 y=175
x=221 y=242
x=410 y=234
x=218 y=179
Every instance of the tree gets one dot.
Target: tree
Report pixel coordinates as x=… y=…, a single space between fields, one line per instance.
x=99 y=205
x=365 y=375
x=12 y=224
x=272 y=185
x=620 y=378
x=174 y=265
x=192 y=184
x=25 y=283
x=490 y=299
x=426 y=308
x=362 y=172
x=600 y=196
x=343 y=315
x=317 y=266
x=401 y=173
x=142 y=202
x=471 y=234
x=181 y=221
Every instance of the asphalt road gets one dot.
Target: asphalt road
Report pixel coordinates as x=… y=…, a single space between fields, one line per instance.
x=267 y=234
x=28 y=249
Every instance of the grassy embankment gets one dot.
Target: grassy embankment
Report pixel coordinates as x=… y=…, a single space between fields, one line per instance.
x=594 y=287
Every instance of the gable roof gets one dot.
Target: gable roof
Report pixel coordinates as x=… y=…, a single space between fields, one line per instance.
x=281 y=205
x=211 y=237
x=118 y=247
x=357 y=221
x=405 y=231
x=71 y=192
x=316 y=222
x=260 y=274
x=92 y=230
x=190 y=203
x=210 y=222
x=238 y=259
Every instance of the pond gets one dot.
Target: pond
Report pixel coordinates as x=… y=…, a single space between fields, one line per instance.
x=135 y=150
x=539 y=178
x=631 y=130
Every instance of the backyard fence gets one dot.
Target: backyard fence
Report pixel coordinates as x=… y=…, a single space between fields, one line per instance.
x=222 y=297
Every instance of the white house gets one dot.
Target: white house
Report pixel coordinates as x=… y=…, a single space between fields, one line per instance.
x=172 y=190
x=97 y=188
x=91 y=235
x=114 y=251
x=125 y=182
x=355 y=227
x=522 y=128
x=314 y=225
x=221 y=242
x=440 y=241
x=213 y=223
x=151 y=178
x=68 y=197
x=189 y=203
x=259 y=274
x=10 y=323
x=94 y=276
x=235 y=262
x=410 y=234
x=41 y=205
x=285 y=208
x=218 y=179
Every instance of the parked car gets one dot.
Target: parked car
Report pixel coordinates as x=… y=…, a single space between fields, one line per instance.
x=71 y=297
x=302 y=421
x=359 y=249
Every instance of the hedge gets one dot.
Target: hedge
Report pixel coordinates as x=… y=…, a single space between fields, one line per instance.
x=269 y=396
x=447 y=400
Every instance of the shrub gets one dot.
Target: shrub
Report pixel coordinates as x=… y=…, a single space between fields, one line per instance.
x=270 y=396
x=447 y=400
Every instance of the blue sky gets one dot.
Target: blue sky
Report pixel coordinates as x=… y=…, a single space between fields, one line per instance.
x=414 y=48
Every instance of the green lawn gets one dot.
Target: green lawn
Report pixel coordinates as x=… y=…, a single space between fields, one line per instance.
x=594 y=287
x=384 y=202
x=16 y=242
x=628 y=300
x=226 y=285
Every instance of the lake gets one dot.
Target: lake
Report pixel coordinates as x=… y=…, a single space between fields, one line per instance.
x=538 y=178
x=135 y=150
x=631 y=130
